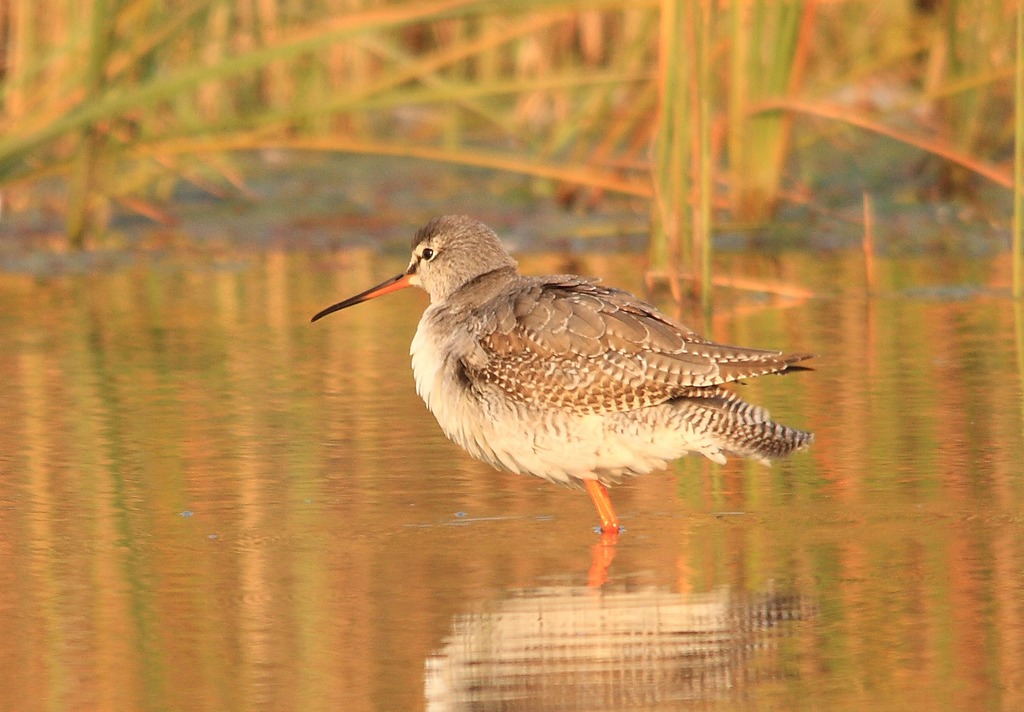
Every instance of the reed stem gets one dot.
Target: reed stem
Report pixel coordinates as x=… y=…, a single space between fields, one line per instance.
x=1017 y=244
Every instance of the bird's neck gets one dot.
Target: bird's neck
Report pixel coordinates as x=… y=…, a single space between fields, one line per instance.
x=481 y=289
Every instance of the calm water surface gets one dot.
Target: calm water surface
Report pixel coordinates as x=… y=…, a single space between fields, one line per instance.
x=207 y=503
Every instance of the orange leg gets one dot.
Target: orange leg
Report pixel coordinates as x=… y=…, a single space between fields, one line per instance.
x=599 y=493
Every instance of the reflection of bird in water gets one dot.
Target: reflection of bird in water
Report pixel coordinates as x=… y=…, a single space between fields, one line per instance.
x=568 y=380
x=647 y=649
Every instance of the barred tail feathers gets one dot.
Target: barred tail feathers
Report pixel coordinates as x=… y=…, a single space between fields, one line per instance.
x=737 y=427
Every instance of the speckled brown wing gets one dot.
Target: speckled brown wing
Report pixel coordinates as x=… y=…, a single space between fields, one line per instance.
x=566 y=342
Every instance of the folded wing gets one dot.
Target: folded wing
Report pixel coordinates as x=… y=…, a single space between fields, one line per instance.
x=569 y=343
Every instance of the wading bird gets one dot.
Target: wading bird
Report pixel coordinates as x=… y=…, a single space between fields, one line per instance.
x=566 y=379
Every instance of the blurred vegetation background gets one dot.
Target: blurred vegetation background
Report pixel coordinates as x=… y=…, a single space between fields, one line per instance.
x=696 y=104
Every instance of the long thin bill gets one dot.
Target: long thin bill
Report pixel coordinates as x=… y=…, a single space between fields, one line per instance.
x=397 y=282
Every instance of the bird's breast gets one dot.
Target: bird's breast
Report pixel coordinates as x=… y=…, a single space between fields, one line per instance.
x=427 y=362
x=446 y=358
x=439 y=353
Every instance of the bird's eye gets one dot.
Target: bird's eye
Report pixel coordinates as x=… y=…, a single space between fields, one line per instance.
x=427 y=254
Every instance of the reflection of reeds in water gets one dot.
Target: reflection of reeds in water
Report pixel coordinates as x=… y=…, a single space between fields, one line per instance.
x=569 y=648
x=133 y=395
